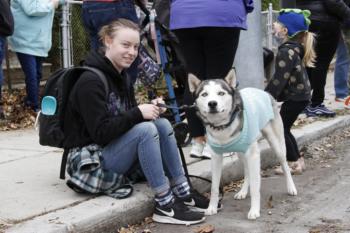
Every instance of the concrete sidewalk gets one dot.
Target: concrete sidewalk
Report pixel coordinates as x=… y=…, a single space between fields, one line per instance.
x=33 y=199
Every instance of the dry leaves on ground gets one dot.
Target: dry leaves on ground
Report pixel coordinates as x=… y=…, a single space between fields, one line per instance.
x=17 y=116
x=204 y=229
x=143 y=227
x=234 y=186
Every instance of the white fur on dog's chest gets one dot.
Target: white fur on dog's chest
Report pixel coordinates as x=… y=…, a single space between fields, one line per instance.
x=256 y=114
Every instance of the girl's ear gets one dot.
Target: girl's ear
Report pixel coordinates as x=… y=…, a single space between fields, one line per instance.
x=108 y=41
x=285 y=31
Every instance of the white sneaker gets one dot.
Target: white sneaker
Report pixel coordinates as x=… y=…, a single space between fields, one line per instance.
x=196 y=149
x=343 y=102
x=206 y=154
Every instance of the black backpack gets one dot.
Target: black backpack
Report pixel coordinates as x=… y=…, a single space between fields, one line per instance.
x=59 y=86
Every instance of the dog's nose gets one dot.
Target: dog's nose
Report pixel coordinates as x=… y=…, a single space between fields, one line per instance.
x=212 y=104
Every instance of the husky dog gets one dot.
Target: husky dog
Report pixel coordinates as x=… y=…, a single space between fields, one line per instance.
x=234 y=120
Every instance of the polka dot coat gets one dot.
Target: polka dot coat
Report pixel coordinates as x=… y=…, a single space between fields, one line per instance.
x=290 y=80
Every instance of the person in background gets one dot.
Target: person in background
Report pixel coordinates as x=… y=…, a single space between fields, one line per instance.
x=208 y=32
x=31 y=40
x=6 y=29
x=326 y=17
x=342 y=65
x=290 y=83
x=119 y=134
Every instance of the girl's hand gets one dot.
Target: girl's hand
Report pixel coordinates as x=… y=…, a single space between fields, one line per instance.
x=159 y=100
x=149 y=111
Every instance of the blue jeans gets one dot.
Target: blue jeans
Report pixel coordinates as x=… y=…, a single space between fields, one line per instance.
x=32 y=68
x=98 y=14
x=153 y=144
x=341 y=71
x=2 y=55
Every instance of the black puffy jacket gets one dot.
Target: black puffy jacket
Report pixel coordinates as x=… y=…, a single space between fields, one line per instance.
x=326 y=10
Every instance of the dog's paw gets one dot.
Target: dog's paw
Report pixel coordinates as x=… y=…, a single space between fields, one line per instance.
x=211 y=211
x=242 y=194
x=253 y=214
x=292 y=190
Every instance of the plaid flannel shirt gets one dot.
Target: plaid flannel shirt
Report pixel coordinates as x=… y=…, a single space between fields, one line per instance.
x=86 y=172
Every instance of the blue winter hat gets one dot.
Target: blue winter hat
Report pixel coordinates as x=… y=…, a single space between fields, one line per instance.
x=295 y=20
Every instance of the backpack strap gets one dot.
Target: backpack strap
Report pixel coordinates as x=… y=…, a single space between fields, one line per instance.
x=63 y=164
x=100 y=74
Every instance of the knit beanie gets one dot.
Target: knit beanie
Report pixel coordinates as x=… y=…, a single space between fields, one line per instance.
x=295 y=20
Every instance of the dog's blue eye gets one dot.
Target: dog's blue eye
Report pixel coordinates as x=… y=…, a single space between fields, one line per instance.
x=204 y=94
x=221 y=93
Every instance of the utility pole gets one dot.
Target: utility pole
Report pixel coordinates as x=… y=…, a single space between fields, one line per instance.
x=249 y=57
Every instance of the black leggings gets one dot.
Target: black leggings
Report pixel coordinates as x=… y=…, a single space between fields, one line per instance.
x=327 y=38
x=289 y=113
x=209 y=53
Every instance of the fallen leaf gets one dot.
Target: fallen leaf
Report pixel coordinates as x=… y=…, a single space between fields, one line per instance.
x=269 y=203
x=148 y=220
x=204 y=229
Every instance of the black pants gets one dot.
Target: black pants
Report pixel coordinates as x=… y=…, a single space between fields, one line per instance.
x=209 y=53
x=289 y=113
x=327 y=37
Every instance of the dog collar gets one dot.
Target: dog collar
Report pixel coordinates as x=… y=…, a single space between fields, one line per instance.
x=233 y=117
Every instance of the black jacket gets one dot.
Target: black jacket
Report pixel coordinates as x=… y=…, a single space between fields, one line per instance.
x=89 y=117
x=326 y=10
x=290 y=80
x=6 y=19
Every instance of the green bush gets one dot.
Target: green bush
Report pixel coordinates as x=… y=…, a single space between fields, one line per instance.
x=55 y=52
x=81 y=42
x=265 y=4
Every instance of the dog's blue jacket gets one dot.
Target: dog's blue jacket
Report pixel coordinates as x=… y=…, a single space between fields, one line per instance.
x=257 y=112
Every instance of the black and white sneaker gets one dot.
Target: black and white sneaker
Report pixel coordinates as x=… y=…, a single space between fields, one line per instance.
x=197 y=202
x=177 y=213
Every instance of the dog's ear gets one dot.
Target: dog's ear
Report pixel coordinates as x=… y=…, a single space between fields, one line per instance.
x=231 y=78
x=193 y=82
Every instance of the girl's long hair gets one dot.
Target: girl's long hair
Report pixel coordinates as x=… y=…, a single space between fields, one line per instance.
x=307 y=39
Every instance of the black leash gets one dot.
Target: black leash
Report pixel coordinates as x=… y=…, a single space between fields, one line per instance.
x=182 y=107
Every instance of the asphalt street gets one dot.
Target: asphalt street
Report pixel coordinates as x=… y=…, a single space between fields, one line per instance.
x=322 y=204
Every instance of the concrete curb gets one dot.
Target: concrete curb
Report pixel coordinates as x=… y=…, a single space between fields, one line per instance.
x=105 y=214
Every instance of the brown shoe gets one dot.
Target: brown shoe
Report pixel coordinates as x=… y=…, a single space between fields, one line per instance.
x=278 y=170
x=298 y=166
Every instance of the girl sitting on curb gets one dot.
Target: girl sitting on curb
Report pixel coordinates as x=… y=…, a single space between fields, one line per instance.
x=120 y=134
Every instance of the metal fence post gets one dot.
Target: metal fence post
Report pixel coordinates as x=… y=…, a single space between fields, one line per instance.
x=269 y=26
x=66 y=45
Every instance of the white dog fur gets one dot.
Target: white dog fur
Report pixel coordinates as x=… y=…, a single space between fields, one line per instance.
x=213 y=90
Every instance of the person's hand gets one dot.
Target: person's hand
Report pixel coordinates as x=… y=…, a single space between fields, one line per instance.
x=157 y=101
x=149 y=111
